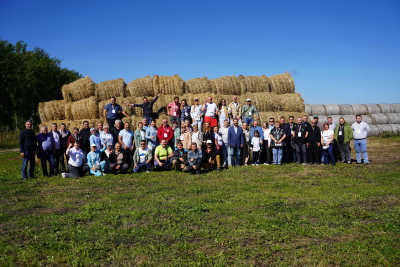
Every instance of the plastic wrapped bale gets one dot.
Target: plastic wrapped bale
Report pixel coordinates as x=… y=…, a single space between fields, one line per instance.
x=373 y=109
x=318 y=109
x=396 y=128
x=108 y=89
x=350 y=119
x=291 y=102
x=384 y=128
x=140 y=87
x=346 y=110
x=308 y=108
x=78 y=90
x=374 y=130
x=85 y=109
x=367 y=119
x=359 y=109
x=393 y=118
x=379 y=118
x=386 y=108
x=396 y=108
x=332 y=109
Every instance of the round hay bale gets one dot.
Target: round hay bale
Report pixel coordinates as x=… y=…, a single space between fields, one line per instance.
x=368 y=119
x=140 y=87
x=68 y=112
x=373 y=109
x=80 y=89
x=386 y=108
x=267 y=83
x=255 y=84
x=108 y=89
x=318 y=109
x=156 y=84
x=350 y=119
x=396 y=128
x=393 y=118
x=42 y=113
x=379 y=118
x=384 y=128
x=346 y=110
x=332 y=109
x=321 y=118
x=85 y=108
x=374 y=130
x=291 y=82
x=359 y=109
x=335 y=119
x=282 y=84
x=308 y=109
x=290 y=102
x=198 y=85
x=396 y=108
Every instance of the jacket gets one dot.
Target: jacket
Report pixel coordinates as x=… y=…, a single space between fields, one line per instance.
x=348 y=132
x=185 y=110
x=260 y=132
x=64 y=140
x=177 y=155
x=72 y=139
x=314 y=135
x=200 y=138
x=27 y=141
x=149 y=156
x=93 y=157
x=235 y=109
x=246 y=112
x=115 y=133
x=277 y=134
x=85 y=135
x=209 y=136
x=195 y=111
x=147 y=108
x=161 y=131
x=235 y=140
x=186 y=139
x=288 y=132
x=113 y=156
x=138 y=138
x=195 y=156
x=303 y=130
x=207 y=155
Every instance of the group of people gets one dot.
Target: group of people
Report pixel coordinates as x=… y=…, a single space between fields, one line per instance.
x=183 y=145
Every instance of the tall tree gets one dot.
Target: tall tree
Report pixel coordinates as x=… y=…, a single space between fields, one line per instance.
x=27 y=78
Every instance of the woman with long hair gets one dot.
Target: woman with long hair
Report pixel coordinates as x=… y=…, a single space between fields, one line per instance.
x=223 y=112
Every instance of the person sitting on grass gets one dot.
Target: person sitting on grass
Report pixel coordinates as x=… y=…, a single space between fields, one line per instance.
x=179 y=158
x=162 y=156
x=76 y=165
x=119 y=159
x=142 y=158
x=194 y=160
x=211 y=157
x=96 y=166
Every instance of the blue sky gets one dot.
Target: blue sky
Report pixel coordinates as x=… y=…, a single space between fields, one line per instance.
x=343 y=52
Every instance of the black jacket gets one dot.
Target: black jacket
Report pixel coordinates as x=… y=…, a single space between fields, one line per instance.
x=209 y=136
x=178 y=155
x=64 y=141
x=206 y=155
x=314 y=135
x=303 y=130
x=113 y=157
x=115 y=133
x=85 y=133
x=27 y=141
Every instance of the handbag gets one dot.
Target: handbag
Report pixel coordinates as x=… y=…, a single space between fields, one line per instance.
x=95 y=166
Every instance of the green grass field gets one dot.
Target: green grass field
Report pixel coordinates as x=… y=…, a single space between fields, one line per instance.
x=347 y=215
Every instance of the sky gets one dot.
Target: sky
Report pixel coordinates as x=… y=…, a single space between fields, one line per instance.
x=338 y=52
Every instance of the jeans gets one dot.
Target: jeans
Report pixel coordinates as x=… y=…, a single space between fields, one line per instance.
x=221 y=121
x=235 y=153
x=344 y=149
x=248 y=121
x=361 y=147
x=141 y=167
x=301 y=152
x=277 y=155
x=44 y=157
x=189 y=168
x=99 y=172
x=226 y=158
x=175 y=118
x=28 y=158
x=166 y=164
x=148 y=120
x=199 y=124
x=328 y=154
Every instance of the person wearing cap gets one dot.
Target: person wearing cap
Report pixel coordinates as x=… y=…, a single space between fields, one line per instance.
x=343 y=136
x=110 y=112
x=248 y=111
x=196 y=114
x=194 y=160
x=319 y=123
x=96 y=166
x=95 y=139
x=211 y=157
x=235 y=111
x=360 y=132
x=163 y=155
x=300 y=135
x=142 y=158
x=174 y=111
x=147 y=107
x=126 y=137
x=235 y=142
x=314 y=142
x=179 y=157
x=210 y=112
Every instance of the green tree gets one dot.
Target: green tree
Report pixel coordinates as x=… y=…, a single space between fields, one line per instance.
x=27 y=78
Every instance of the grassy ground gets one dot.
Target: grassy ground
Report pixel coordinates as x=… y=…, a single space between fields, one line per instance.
x=347 y=215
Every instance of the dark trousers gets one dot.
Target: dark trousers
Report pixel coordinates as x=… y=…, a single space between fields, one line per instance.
x=63 y=167
x=189 y=168
x=77 y=171
x=301 y=152
x=44 y=157
x=266 y=152
x=166 y=164
x=287 y=152
x=328 y=154
x=344 y=150
x=313 y=152
x=123 y=168
x=175 y=118
x=57 y=162
x=111 y=123
x=256 y=157
x=29 y=158
x=142 y=167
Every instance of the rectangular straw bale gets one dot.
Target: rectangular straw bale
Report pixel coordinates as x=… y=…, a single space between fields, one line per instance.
x=291 y=102
x=54 y=110
x=42 y=113
x=108 y=89
x=68 y=111
x=140 y=87
x=85 y=108
x=80 y=89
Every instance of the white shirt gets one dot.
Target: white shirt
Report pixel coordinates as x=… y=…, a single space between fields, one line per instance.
x=360 y=131
x=56 y=140
x=218 y=138
x=75 y=157
x=109 y=137
x=224 y=134
x=255 y=141
x=267 y=136
x=195 y=138
x=235 y=129
x=332 y=126
x=142 y=133
x=326 y=136
x=142 y=155
x=222 y=112
x=211 y=109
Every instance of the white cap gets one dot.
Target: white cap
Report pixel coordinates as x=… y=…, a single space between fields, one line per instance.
x=93 y=145
x=248 y=100
x=209 y=141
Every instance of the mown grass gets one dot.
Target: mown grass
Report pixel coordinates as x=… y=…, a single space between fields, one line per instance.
x=347 y=215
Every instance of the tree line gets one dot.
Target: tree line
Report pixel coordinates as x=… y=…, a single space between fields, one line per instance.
x=27 y=78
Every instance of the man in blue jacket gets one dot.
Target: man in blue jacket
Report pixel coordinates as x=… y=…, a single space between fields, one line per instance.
x=27 y=148
x=255 y=127
x=235 y=142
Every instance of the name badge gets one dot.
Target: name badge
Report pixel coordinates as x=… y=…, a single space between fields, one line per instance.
x=181 y=137
x=249 y=113
x=358 y=131
x=174 y=113
x=165 y=135
x=299 y=134
x=247 y=139
x=340 y=132
x=278 y=144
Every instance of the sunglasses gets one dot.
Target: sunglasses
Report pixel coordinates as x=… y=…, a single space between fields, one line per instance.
x=271 y=121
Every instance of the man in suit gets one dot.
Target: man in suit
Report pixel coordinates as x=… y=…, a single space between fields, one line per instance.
x=235 y=142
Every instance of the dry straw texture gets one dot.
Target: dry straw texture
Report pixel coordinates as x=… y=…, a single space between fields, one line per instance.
x=120 y=100
x=108 y=89
x=254 y=84
x=198 y=85
x=42 y=113
x=68 y=111
x=156 y=84
x=172 y=85
x=291 y=102
x=282 y=84
x=85 y=108
x=55 y=110
x=140 y=87
x=225 y=85
x=80 y=89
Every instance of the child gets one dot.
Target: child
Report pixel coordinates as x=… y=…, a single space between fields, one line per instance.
x=256 y=145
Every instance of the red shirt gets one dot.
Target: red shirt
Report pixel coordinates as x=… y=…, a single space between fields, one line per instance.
x=165 y=133
x=175 y=109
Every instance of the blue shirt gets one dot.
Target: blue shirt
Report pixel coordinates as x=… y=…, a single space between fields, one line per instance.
x=127 y=137
x=95 y=139
x=145 y=128
x=45 y=142
x=195 y=156
x=150 y=132
x=112 y=111
x=260 y=132
x=185 y=113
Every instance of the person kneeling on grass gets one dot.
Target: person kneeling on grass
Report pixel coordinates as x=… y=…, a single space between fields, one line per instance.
x=96 y=166
x=119 y=159
x=76 y=166
x=211 y=157
x=194 y=160
x=179 y=158
x=142 y=158
x=162 y=156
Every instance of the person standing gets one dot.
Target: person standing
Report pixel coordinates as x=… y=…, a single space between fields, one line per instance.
x=47 y=150
x=343 y=136
x=327 y=137
x=211 y=157
x=139 y=136
x=300 y=136
x=235 y=111
x=142 y=158
x=255 y=127
x=314 y=142
x=147 y=107
x=163 y=155
x=223 y=112
x=177 y=135
x=185 y=113
x=27 y=148
x=217 y=140
x=248 y=112
x=194 y=160
x=110 y=112
x=76 y=166
x=332 y=126
x=95 y=164
x=174 y=111
x=179 y=157
x=95 y=139
x=289 y=130
x=100 y=129
x=151 y=135
x=145 y=124
x=75 y=136
x=318 y=123
x=208 y=134
x=277 y=136
x=245 y=150
x=210 y=111
x=235 y=142
x=188 y=127
x=115 y=131
x=57 y=146
x=185 y=138
x=107 y=136
x=64 y=136
x=165 y=132
x=196 y=114
x=266 y=145
x=360 y=132
x=119 y=159
x=126 y=139
x=256 y=143
x=197 y=137
x=85 y=141
x=226 y=159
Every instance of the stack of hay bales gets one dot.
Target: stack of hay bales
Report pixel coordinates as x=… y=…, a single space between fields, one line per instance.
x=380 y=117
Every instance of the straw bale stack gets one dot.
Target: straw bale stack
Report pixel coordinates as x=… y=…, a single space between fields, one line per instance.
x=291 y=102
x=120 y=100
x=172 y=85
x=254 y=84
x=198 y=85
x=225 y=85
x=85 y=108
x=42 y=113
x=68 y=111
x=140 y=87
x=264 y=116
x=108 y=89
x=156 y=84
x=78 y=90
x=282 y=84
x=55 y=110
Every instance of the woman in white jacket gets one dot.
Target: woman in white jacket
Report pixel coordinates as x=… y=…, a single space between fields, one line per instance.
x=266 y=146
x=197 y=114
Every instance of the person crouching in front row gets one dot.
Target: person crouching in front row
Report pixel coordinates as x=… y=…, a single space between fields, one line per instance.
x=119 y=159
x=194 y=160
x=142 y=158
x=211 y=157
x=162 y=156
x=96 y=166
x=179 y=158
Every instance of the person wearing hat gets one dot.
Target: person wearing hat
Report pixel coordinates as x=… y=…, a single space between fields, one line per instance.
x=235 y=111
x=147 y=107
x=96 y=166
x=248 y=111
x=211 y=157
x=319 y=124
x=210 y=111
x=95 y=139
x=196 y=114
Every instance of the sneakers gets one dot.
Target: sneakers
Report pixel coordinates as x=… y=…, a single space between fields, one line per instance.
x=224 y=166
x=64 y=175
x=147 y=171
x=349 y=162
x=304 y=163
x=343 y=161
x=103 y=173
x=298 y=163
x=256 y=164
x=25 y=179
x=218 y=169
